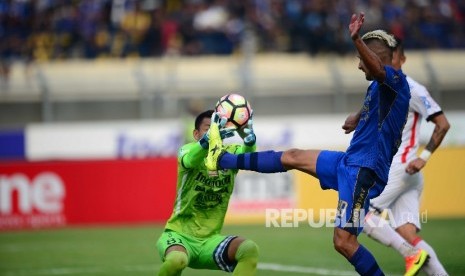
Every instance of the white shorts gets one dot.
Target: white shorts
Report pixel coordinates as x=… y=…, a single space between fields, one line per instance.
x=401 y=197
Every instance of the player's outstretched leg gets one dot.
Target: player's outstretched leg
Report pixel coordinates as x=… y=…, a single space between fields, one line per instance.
x=215 y=147
x=175 y=262
x=379 y=229
x=217 y=158
x=263 y=161
x=247 y=259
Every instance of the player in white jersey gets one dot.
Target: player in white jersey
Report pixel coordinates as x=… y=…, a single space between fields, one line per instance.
x=405 y=184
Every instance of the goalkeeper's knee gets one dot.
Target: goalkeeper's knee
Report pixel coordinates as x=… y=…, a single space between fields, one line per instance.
x=174 y=263
x=247 y=252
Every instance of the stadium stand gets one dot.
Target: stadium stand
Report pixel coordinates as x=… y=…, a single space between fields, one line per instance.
x=125 y=59
x=119 y=89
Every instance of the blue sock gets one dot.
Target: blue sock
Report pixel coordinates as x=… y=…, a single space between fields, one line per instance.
x=365 y=263
x=263 y=161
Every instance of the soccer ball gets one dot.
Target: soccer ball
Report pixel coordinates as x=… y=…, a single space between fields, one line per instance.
x=235 y=108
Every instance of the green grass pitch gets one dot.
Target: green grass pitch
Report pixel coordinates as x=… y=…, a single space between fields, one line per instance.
x=131 y=250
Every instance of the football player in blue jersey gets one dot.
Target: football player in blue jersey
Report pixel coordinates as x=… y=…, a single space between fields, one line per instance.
x=361 y=172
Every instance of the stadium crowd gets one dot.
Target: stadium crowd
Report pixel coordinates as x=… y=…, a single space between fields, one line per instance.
x=57 y=29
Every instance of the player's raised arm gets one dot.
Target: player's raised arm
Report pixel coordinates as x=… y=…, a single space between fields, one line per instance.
x=369 y=60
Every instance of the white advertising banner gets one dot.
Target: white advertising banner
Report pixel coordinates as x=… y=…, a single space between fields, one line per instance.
x=162 y=138
x=254 y=192
x=317 y=132
x=103 y=140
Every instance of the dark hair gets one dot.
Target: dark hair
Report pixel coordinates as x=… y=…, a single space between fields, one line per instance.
x=400 y=45
x=206 y=114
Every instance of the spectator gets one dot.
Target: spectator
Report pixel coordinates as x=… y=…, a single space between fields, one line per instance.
x=135 y=25
x=47 y=30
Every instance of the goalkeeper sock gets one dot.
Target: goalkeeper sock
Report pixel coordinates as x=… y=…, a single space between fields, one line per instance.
x=365 y=263
x=434 y=266
x=174 y=263
x=247 y=259
x=379 y=229
x=264 y=161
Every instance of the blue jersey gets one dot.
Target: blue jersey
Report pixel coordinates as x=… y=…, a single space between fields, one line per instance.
x=378 y=133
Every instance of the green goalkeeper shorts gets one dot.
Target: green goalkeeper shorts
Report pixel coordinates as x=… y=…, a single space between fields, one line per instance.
x=208 y=253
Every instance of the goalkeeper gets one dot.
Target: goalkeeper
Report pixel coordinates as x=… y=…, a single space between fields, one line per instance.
x=192 y=234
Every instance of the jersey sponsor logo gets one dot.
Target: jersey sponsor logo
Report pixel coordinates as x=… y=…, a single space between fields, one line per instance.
x=426 y=102
x=213 y=182
x=211 y=190
x=208 y=200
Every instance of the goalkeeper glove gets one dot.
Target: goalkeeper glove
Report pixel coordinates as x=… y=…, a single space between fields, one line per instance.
x=224 y=132
x=247 y=134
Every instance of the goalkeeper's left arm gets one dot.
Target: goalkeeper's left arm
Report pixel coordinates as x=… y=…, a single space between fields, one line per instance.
x=191 y=155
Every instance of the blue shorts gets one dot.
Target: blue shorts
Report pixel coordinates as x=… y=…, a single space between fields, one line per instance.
x=355 y=186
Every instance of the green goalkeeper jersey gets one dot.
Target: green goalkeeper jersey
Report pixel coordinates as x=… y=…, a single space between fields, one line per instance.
x=201 y=199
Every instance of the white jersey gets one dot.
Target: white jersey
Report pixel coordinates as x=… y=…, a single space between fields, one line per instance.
x=422 y=105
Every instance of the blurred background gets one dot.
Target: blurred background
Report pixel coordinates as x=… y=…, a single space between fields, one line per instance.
x=96 y=97
x=68 y=60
